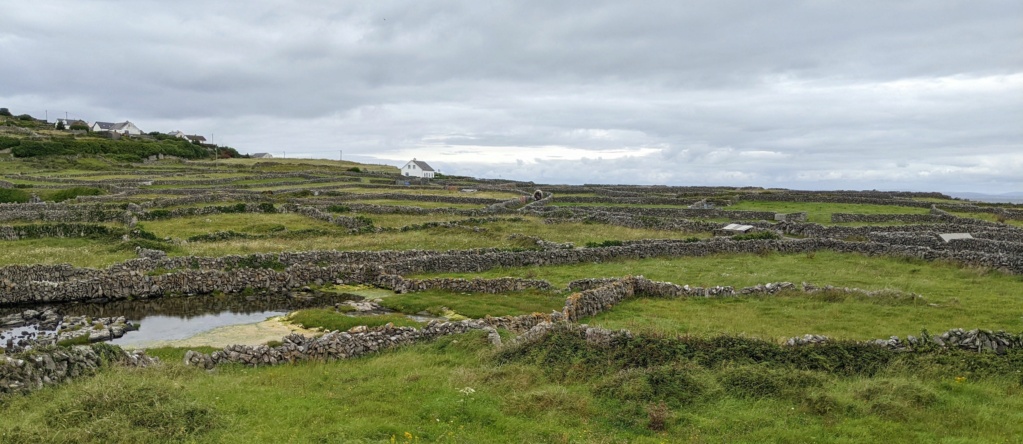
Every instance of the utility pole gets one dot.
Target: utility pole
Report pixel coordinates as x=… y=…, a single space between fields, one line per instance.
x=340 y=155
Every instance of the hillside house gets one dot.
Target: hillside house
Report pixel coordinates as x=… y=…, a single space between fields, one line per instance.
x=196 y=139
x=177 y=134
x=417 y=168
x=68 y=122
x=262 y=156
x=125 y=127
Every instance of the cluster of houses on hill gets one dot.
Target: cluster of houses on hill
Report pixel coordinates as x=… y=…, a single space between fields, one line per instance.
x=414 y=168
x=125 y=128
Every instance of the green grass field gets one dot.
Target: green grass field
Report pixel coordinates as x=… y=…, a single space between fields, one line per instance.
x=458 y=390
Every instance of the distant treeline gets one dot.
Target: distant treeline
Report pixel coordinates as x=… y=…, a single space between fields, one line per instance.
x=125 y=149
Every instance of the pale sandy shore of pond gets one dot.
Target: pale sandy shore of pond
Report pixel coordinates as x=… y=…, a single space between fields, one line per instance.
x=272 y=329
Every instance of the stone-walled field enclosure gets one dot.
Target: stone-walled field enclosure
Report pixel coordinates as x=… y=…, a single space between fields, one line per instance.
x=520 y=289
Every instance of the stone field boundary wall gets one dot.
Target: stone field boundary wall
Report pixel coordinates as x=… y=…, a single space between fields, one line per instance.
x=26 y=372
x=281 y=272
x=818 y=198
x=58 y=212
x=1001 y=232
x=400 y=284
x=61 y=230
x=603 y=295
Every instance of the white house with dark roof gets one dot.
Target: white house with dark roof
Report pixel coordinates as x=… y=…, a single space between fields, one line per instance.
x=196 y=139
x=417 y=168
x=125 y=127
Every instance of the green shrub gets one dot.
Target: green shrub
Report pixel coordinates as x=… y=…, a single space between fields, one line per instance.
x=674 y=384
x=77 y=340
x=5 y=112
x=9 y=142
x=760 y=235
x=71 y=193
x=330 y=320
x=13 y=195
x=760 y=381
x=158 y=214
x=267 y=207
x=338 y=209
x=355 y=170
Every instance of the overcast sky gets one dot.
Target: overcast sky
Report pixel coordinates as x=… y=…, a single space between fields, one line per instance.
x=911 y=95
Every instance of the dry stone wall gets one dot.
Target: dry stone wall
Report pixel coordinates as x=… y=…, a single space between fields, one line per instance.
x=278 y=272
x=12 y=233
x=30 y=371
x=478 y=285
x=60 y=212
x=824 y=198
x=331 y=346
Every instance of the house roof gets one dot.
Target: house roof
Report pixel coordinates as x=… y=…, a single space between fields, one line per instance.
x=950 y=236
x=260 y=154
x=737 y=227
x=108 y=126
x=422 y=165
x=195 y=138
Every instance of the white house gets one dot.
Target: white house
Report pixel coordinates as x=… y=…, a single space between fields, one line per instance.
x=68 y=122
x=196 y=138
x=177 y=134
x=125 y=127
x=262 y=156
x=417 y=168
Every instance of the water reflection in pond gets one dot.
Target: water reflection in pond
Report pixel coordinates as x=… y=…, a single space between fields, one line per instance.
x=170 y=328
x=176 y=318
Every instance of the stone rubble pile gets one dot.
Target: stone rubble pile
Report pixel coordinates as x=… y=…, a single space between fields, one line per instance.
x=40 y=367
x=971 y=340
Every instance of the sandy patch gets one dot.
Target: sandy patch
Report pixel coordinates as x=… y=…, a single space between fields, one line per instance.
x=272 y=329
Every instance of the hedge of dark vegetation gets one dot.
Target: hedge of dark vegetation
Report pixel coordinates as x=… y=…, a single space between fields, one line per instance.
x=132 y=149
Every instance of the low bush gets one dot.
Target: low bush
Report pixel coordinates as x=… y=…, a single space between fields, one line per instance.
x=761 y=381
x=71 y=193
x=760 y=235
x=330 y=320
x=675 y=384
x=13 y=195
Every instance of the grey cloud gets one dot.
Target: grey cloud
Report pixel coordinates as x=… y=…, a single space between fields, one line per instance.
x=854 y=94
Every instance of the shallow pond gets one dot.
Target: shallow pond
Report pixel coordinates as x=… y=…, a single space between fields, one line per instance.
x=173 y=320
